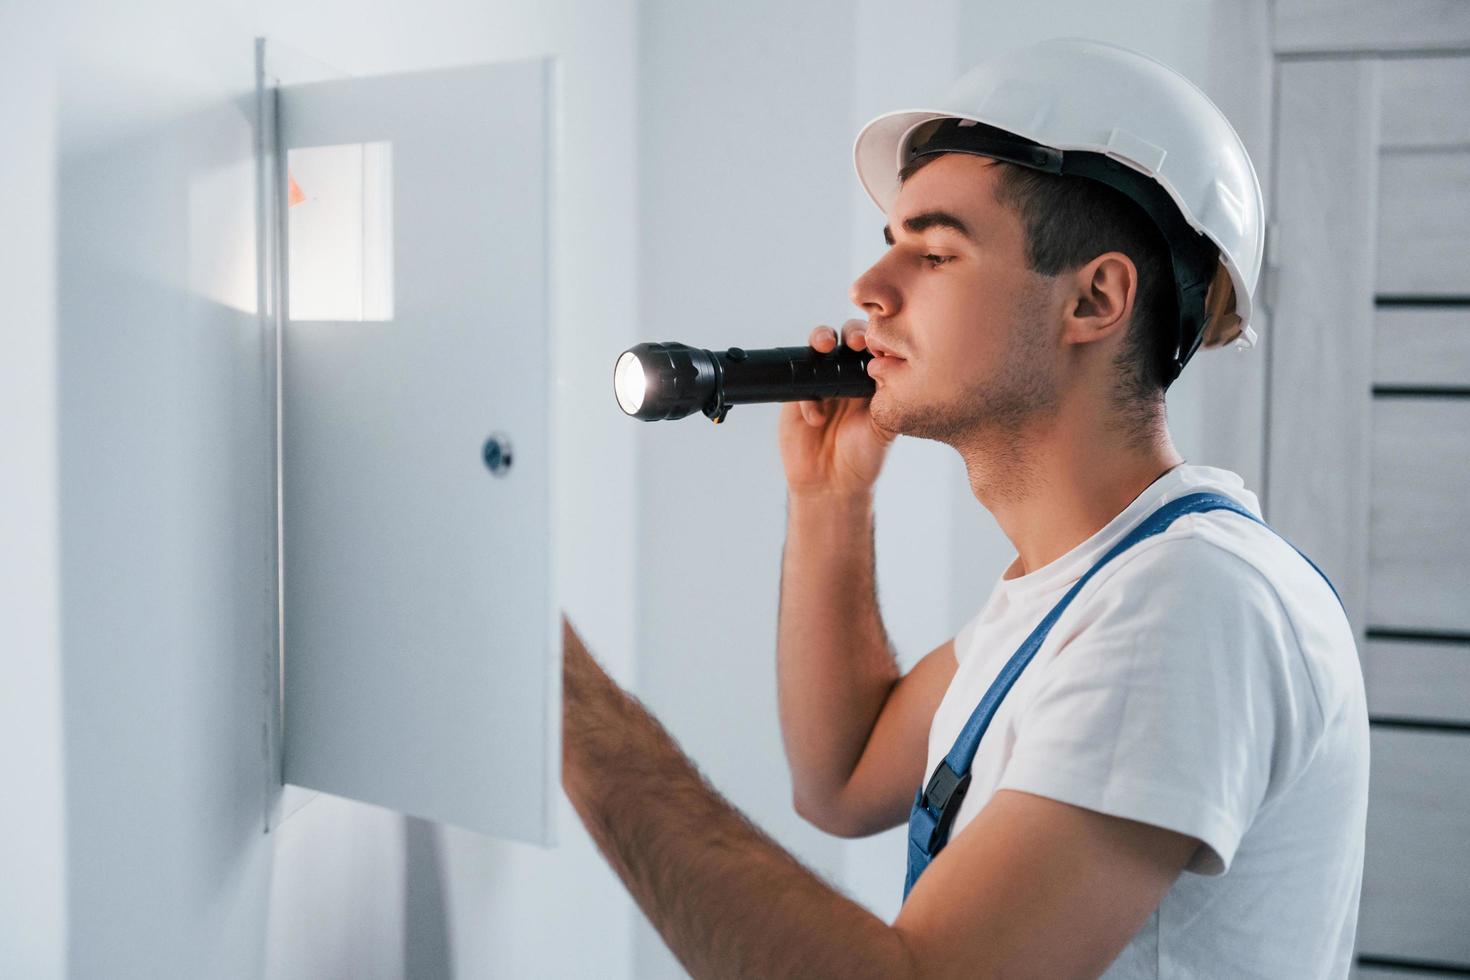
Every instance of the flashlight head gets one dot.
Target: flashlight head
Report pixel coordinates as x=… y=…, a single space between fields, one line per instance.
x=630 y=384
x=664 y=381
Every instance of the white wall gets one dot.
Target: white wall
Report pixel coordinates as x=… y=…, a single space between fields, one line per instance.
x=32 y=842
x=711 y=141
x=165 y=587
x=743 y=239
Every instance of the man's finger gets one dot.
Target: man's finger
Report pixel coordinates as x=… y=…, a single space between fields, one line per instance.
x=824 y=339
x=855 y=334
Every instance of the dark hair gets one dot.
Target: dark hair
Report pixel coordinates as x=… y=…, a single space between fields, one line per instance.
x=1071 y=220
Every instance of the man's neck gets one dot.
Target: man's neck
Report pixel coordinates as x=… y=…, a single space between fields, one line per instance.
x=1057 y=483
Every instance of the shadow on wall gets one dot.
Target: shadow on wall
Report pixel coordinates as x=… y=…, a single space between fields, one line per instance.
x=168 y=586
x=427 y=945
x=165 y=522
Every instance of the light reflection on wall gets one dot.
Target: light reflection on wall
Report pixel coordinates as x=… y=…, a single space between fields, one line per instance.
x=340 y=236
x=221 y=241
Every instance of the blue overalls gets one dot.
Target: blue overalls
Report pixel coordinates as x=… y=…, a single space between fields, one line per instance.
x=936 y=804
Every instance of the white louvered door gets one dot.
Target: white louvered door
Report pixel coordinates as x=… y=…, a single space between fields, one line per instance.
x=1368 y=443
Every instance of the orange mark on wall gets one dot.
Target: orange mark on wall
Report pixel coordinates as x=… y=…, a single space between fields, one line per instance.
x=294 y=195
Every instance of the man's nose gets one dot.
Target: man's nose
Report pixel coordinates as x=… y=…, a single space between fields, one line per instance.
x=874 y=293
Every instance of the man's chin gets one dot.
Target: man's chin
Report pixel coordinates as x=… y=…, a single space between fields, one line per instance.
x=883 y=411
x=915 y=421
x=891 y=416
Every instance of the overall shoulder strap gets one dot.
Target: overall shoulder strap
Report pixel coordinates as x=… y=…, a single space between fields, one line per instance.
x=938 y=802
x=963 y=752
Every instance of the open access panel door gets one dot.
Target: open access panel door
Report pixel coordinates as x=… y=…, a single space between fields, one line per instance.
x=421 y=649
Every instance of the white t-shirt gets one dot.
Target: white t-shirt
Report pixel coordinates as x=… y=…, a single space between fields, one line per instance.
x=1206 y=680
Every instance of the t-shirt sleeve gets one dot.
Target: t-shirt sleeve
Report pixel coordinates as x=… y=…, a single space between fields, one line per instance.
x=1177 y=698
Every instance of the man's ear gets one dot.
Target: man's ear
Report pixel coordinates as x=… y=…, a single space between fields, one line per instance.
x=1103 y=293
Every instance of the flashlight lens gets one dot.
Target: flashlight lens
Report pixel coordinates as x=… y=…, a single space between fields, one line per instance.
x=628 y=382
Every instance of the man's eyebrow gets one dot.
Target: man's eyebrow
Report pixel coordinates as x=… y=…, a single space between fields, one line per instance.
x=930 y=219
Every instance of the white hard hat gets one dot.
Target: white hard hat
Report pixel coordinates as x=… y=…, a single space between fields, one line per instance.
x=1074 y=106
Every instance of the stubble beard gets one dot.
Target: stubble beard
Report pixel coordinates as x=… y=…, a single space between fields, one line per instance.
x=987 y=420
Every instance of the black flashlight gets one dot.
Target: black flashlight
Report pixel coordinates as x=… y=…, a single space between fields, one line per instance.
x=672 y=380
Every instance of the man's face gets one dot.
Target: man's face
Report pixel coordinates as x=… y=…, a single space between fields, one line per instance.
x=952 y=297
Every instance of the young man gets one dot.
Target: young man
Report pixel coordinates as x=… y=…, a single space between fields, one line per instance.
x=1172 y=776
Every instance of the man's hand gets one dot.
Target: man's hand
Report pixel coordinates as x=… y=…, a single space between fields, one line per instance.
x=832 y=446
x=1030 y=888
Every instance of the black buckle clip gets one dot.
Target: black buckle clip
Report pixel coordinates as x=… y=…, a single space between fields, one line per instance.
x=943 y=795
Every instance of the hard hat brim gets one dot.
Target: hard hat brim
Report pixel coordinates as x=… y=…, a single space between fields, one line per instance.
x=877 y=152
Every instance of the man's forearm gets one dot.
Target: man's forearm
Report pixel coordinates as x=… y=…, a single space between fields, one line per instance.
x=727 y=900
x=834 y=665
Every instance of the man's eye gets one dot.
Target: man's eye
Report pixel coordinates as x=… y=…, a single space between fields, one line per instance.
x=935 y=260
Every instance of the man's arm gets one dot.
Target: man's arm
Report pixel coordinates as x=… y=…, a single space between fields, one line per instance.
x=727 y=900
x=1031 y=887
x=855 y=732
